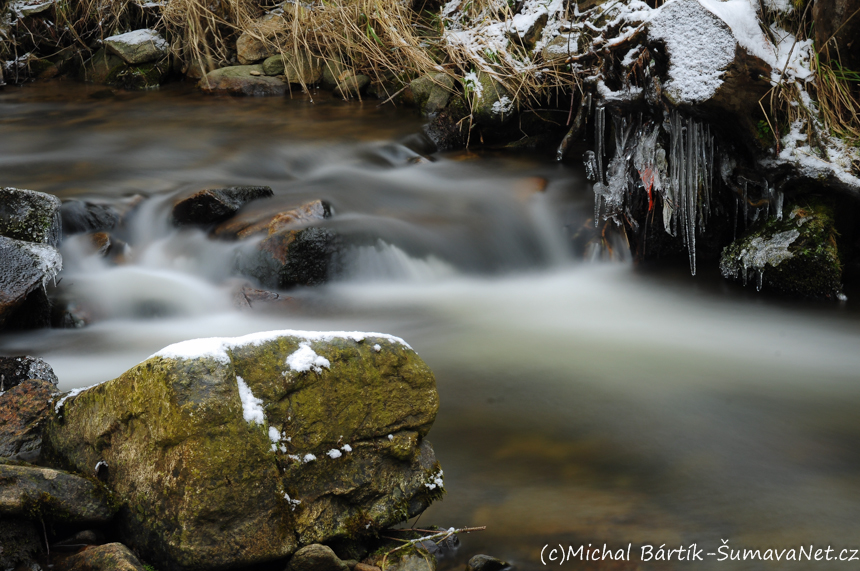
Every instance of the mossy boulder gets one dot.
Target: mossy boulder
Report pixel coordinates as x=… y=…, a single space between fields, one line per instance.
x=492 y=104
x=100 y=66
x=429 y=93
x=108 y=557
x=797 y=254
x=29 y=215
x=351 y=85
x=301 y=68
x=230 y=452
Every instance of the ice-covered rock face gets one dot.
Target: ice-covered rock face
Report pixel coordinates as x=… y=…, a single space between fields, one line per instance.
x=257 y=445
x=24 y=267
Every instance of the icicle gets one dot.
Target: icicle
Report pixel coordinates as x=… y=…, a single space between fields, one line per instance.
x=779 y=200
x=599 y=134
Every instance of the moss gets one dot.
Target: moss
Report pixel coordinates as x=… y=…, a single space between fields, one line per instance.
x=810 y=266
x=138 y=77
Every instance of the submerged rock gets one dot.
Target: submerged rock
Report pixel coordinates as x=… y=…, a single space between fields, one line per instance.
x=25 y=270
x=795 y=254
x=16 y=370
x=52 y=495
x=256 y=446
x=139 y=46
x=30 y=216
x=108 y=557
x=81 y=216
x=215 y=205
x=23 y=412
x=486 y=563
x=243 y=80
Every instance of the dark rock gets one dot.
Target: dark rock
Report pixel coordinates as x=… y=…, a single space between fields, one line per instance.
x=429 y=94
x=25 y=269
x=215 y=205
x=333 y=73
x=30 y=216
x=139 y=46
x=239 y=80
x=138 y=77
x=411 y=561
x=15 y=370
x=108 y=557
x=20 y=541
x=351 y=551
x=259 y=221
x=797 y=255
x=79 y=216
x=52 y=495
x=837 y=30
x=100 y=66
x=448 y=130
x=85 y=537
x=316 y=557
x=365 y=567
x=486 y=563
x=316 y=464
x=23 y=412
x=351 y=86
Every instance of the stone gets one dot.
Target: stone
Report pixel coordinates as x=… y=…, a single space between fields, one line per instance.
x=717 y=75
x=52 y=495
x=85 y=537
x=100 y=66
x=412 y=560
x=493 y=104
x=214 y=205
x=557 y=51
x=316 y=557
x=250 y=50
x=108 y=557
x=138 y=77
x=139 y=46
x=486 y=563
x=300 y=68
x=248 y=297
x=837 y=28
x=25 y=269
x=20 y=541
x=333 y=73
x=257 y=446
x=15 y=370
x=529 y=35
x=797 y=255
x=291 y=253
x=237 y=80
x=351 y=85
x=30 y=216
x=447 y=130
x=430 y=94
x=23 y=412
x=80 y=216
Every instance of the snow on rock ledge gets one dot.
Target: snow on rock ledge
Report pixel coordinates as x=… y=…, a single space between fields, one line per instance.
x=232 y=441
x=139 y=46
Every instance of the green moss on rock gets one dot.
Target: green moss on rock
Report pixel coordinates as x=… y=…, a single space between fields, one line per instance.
x=796 y=255
x=138 y=77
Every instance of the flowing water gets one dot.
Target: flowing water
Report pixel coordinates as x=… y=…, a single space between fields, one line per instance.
x=581 y=401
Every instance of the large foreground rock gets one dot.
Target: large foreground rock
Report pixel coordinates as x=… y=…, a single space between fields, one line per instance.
x=23 y=413
x=30 y=216
x=229 y=452
x=139 y=46
x=25 y=269
x=52 y=495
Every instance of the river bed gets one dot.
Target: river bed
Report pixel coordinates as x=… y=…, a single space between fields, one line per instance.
x=582 y=401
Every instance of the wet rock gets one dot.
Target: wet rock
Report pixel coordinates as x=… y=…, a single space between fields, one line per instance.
x=79 y=216
x=85 y=537
x=448 y=130
x=30 y=216
x=215 y=205
x=429 y=94
x=837 y=29
x=262 y=445
x=24 y=409
x=797 y=255
x=139 y=46
x=316 y=557
x=16 y=370
x=333 y=72
x=108 y=557
x=250 y=50
x=290 y=253
x=20 y=541
x=238 y=80
x=100 y=66
x=351 y=85
x=248 y=297
x=300 y=68
x=52 y=495
x=138 y=77
x=25 y=269
x=486 y=563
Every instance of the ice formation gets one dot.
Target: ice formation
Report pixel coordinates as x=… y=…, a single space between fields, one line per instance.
x=761 y=252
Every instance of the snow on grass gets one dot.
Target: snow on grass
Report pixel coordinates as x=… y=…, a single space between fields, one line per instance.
x=252 y=407
x=305 y=359
x=218 y=348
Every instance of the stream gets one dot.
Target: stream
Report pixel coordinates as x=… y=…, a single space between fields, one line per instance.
x=582 y=400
